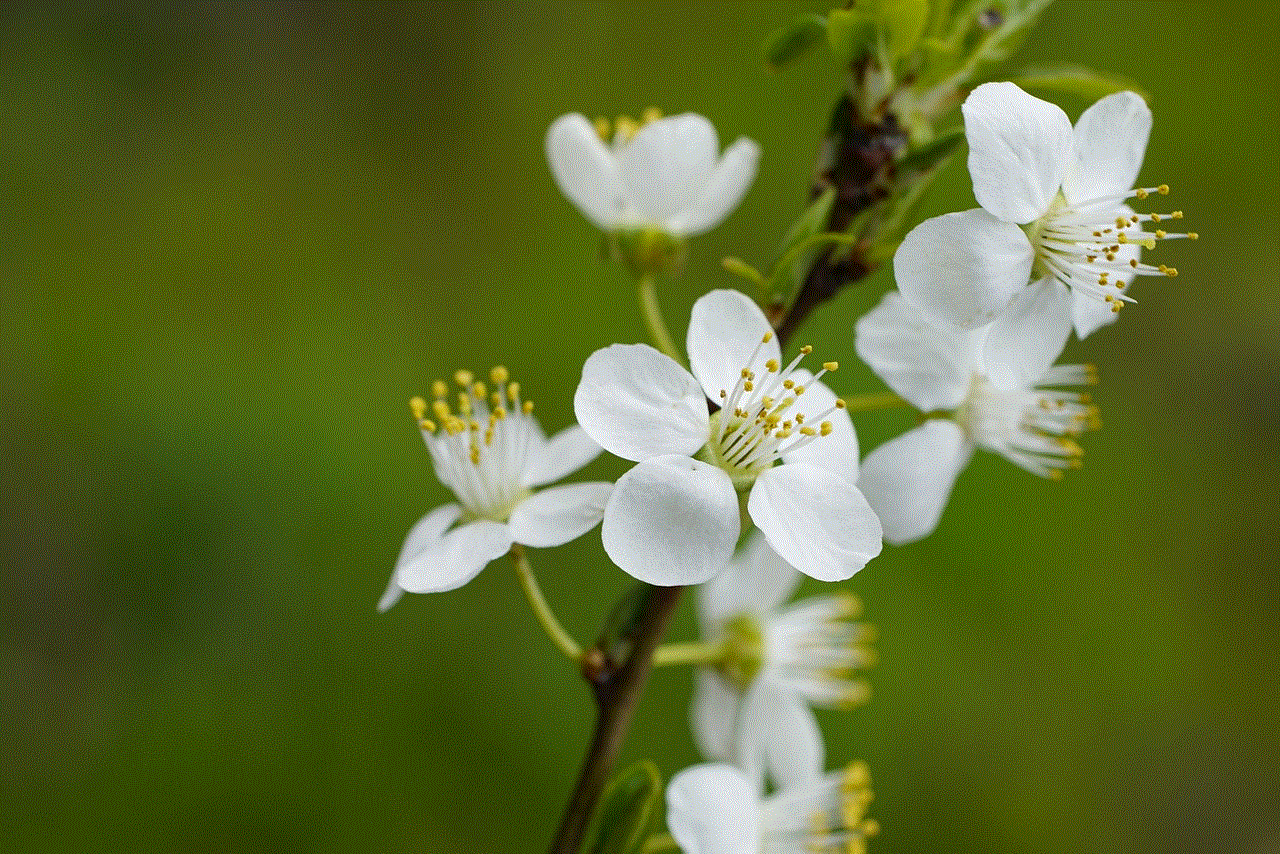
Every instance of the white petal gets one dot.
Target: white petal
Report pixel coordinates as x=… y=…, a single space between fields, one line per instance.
x=586 y=172
x=712 y=809
x=929 y=366
x=671 y=520
x=908 y=480
x=557 y=515
x=637 y=403
x=1019 y=150
x=565 y=453
x=425 y=533
x=815 y=520
x=756 y=581
x=779 y=733
x=665 y=165
x=714 y=714
x=453 y=559
x=961 y=269
x=722 y=192
x=837 y=452
x=1110 y=141
x=1029 y=335
x=725 y=328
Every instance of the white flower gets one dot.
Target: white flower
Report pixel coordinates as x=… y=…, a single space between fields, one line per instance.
x=674 y=519
x=663 y=175
x=491 y=453
x=753 y=709
x=715 y=809
x=909 y=479
x=1052 y=213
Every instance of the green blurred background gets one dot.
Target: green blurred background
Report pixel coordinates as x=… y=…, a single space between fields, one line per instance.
x=236 y=239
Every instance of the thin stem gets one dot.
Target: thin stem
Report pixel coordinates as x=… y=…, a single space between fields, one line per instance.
x=617 y=692
x=688 y=653
x=659 y=842
x=647 y=290
x=869 y=402
x=541 y=609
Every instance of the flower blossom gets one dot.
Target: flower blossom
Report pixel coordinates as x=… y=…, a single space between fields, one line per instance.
x=752 y=709
x=663 y=175
x=908 y=479
x=491 y=453
x=1052 y=213
x=674 y=517
x=715 y=809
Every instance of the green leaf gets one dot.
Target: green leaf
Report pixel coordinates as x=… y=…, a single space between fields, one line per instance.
x=794 y=40
x=621 y=820
x=1077 y=80
x=850 y=32
x=931 y=154
x=903 y=23
x=790 y=266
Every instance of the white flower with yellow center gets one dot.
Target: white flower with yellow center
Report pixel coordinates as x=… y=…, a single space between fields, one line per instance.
x=490 y=451
x=674 y=517
x=909 y=479
x=665 y=175
x=1053 y=213
x=716 y=809
x=753 y=708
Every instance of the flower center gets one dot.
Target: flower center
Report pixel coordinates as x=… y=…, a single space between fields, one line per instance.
x=1092 y=246
x=1032 y=428
x=743 y=650
x=481 y=450
x=760 y=420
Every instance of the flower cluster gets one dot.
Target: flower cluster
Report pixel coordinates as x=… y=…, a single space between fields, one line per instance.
x=747 y=474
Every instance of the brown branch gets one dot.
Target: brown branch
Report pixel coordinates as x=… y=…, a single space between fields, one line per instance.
x=617 y=691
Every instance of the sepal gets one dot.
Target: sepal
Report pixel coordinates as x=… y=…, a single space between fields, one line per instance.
x=621 y=820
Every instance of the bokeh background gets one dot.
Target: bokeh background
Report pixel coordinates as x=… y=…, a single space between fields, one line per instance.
x=236 y=239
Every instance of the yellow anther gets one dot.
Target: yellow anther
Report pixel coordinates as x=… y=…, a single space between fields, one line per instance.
x=1155 y=217
x=441 y=410
x=799 y=390
x=1121 y=222
x=840 y=404
x=626 y=127
x=771 y=365
x=527 y=407
x=768 y=336
x=513 y=392
x=1160 y=234
x=1171 y=272
x=723 y=394
x=766 y=402
x=488 y=437
x=464 y=403
x=480 y=390
x=650 y=114
x=418 y=407
x=495 y=400
x=1091 y=258
x=464 y=378
x=826 y=428
x=1163 y=189
x=427 y=424
x=499 y=414
x=1133 y=262
x=439 y=389
x=499 y=375
x=806 y=350
x=475 y=454
x=1140 y=193
x=1097 y=234
x=1135 y=219
x=602 y=128
x=747 y=385
x=1124 y=238
x=788 y=384
x=745 y=373
x=799 y=417
x=1191 y=235
x=831 y=366
x=1176 y=215
x=870 y=827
